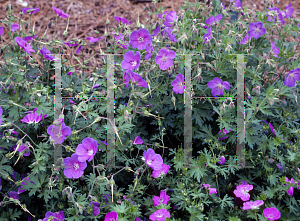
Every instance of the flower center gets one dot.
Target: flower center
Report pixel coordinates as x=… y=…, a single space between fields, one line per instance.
x=220 y=86
x=257 y=29
x=149 y=162
x=291 y=76
x=140 y=39
x=90 y=152
x=164 y=58
x=75 y=166
x=133 y=63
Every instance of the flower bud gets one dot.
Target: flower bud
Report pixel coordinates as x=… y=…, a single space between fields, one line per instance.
x=107 y=21
x=49 y=24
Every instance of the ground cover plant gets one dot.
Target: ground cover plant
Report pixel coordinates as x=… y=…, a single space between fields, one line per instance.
x=153 y=182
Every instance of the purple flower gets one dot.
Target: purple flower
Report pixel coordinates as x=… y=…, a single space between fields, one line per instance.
x=35 y=10
x=29 y=38
x=87 y=150
x=13 y=195
x=60 y=12
x=242 y=191
x=58 y=216
x=138 y=140
x=1 y=30
x=112 y=216
x=207 y=36
x=292 y=77
x=279 y=166
x=165 y=58
x=171 y=36
x=153 y=160
x=140 y=39
x=33 y=118
x=289 y=10
x=271 y=213
x=46 y=54
x=163 y=170
x=163 y=198
x=211 y=190
x=96 y=208
x=149 y=50
x=22 y=149
x=59 y=133
x=73 y=167
x=70 y=72
x=137 y=219
x=237 y=3
x=92 y=39
x=131 y=61
x=274 y=50
x=157 y=29
x=122 y=20
x=217 y=86
x=23 y=44
x=256 y=30
x=290 y=191
x=161 y=15
x=177 y=84
x=160 y=215
x=71 y=45
x=170 y=18
x=252 y=205
x=222 y=160
x=135 y=78
x=214 y=20
x=246 y=39
x=14 y=27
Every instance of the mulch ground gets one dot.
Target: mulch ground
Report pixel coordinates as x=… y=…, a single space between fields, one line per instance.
x=89 y=15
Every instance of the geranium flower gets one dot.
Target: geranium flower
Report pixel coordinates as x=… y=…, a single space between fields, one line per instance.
x=29 y=38
x=252 y=205
x=214 y=20
x=33 y=118
x=165 y=58
x=217 y=86
x=122 y=20
x=96 y=208
x=46 y=54
x=224 y=132
x=246 y=39
x=207 y=36
x=13 y=195
x=292 y=77
x=1 y=112
x=211 y=190
x=23 y=184
x=92 y=39
x=153 y=160
x=290 y=191
x=60 y=12
x=23 y=44
x=222 y=160
x=112 y=216
x=274 y=50
x=14 y=27
x=271 y=213
x=160 y=215
x=131 y=61
x=279 y=166
x=71 y=44
x=1 y=30
x=237 y=3
x=256 y=30
x=170 y=18
x=58 y=216
x=149 y=50
x=22 y=149
x=140 y=39
x=163 y=198
x=87 y=150
x=138 y=140
x=242 y=191
x=135 y=78
x=163 y=170
x=161 y=15
x=177 y=84
x=31 y=12
x=168 y=31
x=59 y=133
x=73 y=167
x=289 y=10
